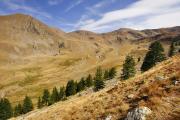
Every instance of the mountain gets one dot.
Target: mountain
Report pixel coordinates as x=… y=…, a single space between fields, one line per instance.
x=22 y=36
x=35 y=56
x=154 y=89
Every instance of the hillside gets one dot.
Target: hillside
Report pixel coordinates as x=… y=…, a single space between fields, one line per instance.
x=34 y=56
x=154 y=89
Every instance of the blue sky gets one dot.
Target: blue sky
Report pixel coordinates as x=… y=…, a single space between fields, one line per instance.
x=98 y=15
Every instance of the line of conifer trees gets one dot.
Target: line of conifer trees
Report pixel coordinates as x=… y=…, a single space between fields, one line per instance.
x=74 y=87
x=7 y=111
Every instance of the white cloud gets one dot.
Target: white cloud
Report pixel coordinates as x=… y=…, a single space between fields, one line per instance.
x=164 y=20
x=74 y=4
x=161 y=13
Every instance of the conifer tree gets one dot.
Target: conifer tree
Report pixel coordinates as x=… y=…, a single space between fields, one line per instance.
x=39 y=104
x=62 y=94
x=18 y=110
x=99 y=83
x=106 y=74
x=54 y=96
x=172 y=49
x=89 y=81
x=45 y=97
x=5 y=109
x=81 y=85
x=128 y=68
x=112 y=72
x=27 y=105
x=71 y=88
x=153 y=56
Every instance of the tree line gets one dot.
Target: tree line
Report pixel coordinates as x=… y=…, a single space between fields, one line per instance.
x=73 y=87
x=7 y=111
x=47 y=98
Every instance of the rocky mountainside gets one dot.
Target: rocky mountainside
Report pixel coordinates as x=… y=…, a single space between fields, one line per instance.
x=34 y=56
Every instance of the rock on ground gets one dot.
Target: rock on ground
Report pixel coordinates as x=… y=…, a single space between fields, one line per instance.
x=138 y=113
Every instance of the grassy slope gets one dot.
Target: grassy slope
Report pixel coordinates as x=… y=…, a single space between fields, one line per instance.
x=18 y=80
x=163 y=98
x=30 y=60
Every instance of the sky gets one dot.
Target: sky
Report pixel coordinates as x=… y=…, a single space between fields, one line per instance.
x=98 y=15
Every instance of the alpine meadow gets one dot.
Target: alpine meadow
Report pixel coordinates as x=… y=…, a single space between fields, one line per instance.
x=89 y=60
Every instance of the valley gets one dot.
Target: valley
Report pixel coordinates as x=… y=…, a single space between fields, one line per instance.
x=35 y=56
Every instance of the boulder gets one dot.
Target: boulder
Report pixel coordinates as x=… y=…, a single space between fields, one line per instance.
x=138 y=113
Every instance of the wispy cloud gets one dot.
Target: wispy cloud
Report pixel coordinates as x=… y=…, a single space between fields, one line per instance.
x=94 y=10
x=159 y=14
x=91 y=12
x=54 y=2
x=13 y=5
x=74 y=4
x=103 y=3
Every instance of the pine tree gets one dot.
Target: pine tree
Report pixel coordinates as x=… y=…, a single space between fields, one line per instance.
x=18 y=110
x=89 y=81
x=112 y=72
x=27 y=105
x=62 y=94
x=5 y=109
x=54 y=96
x=128 y=68
x=99 y=83
x=153 y=56
x=106 y=74
x=39 y=104
x=81 y=85
x=71 y=88
x=172 y=49
x=45 y=97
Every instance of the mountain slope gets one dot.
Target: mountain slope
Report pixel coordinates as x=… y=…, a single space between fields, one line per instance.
x=162 y=98
x=34 y=56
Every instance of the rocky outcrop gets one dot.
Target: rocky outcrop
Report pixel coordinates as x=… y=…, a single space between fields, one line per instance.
x=138 y=113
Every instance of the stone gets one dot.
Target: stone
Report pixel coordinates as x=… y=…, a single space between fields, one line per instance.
x=138 y=113
x=109 y=117
x=175 y=82
x=131 y=96
x=159 y=78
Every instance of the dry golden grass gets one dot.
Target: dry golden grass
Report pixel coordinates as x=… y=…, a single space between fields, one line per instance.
x=30 y=59
x=163 y=98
